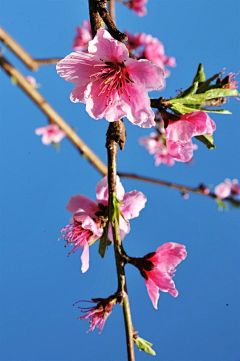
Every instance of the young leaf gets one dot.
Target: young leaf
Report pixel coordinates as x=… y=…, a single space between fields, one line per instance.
x=200 y=75
x=221 y=92
x=207 y=140
x=222 y=206
x=191 y=90
x=203 y=87
x=144 y=345
x=103 y=241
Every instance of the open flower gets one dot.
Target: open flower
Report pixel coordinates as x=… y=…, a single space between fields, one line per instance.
x=138 y=6
x=155 y=144
x=223 y=190
x=180 y=132
x=50 y=133
x=90 y=218
x=98 y=314
x=158 y=268
x=84 y=35
x=110 y=83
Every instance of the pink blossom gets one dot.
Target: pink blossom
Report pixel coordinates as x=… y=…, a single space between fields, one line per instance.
x=138 y=6
x=154 y=144
x=110 y=83
x=90 y=218
x=50 y=133
x=31 y=80
x=229 y=81
x=147 y=47
x=224 y=190
x=180 y=132
x=98 y=314
x=158 y=268
x=84 y=35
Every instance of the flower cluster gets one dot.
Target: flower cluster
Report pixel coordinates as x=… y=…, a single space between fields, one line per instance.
x=50 y=134
x=148 y=47
x=110 y=83
x=138 y=6
x=89 y=218
x=227 y=188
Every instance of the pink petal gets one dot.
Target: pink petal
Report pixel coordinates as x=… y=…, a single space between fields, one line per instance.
x=168 y=256
x=85 y=258
x=152 y=292
x=46 y=139
x=163 y=281
x=223 y=190
x=137 y=106
x=77 y=94
x=110 y=50
x=202 y=122
x=180 y=130
x=180 y=151
x=40 y=131
x=134 y=202
x=77 y=67
x=88 y=223
x=80 y=203
x=102 y=191
x=124 y=227
x=145 y=73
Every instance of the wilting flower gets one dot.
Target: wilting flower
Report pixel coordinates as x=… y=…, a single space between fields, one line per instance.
x=179 y=134
x=110 y=83
x=224 y=190
x=158 y=268
x=84 y=35
x=147 y=47
x=155 y=144
x=90 y=218
x=138 y=6
x=98 y=314
x=229 y=82
x=50 y=133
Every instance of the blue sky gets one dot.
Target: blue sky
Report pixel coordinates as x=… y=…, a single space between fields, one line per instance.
x=39 y=283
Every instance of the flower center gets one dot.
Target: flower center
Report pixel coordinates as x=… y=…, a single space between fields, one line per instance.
x=76 y=235
x=113 y=79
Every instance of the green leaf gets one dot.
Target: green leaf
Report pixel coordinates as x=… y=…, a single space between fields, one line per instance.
x=103 y=241
x=200 y=75
x=207 y=140
x=183 y=109
x=203 y=87
x=222 y=206
x=220 y=111
x=144 y=345
x=219 y=93
x=191 y=90
x=191 y=99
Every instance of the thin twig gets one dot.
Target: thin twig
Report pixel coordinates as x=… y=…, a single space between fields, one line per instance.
x=21 y=53
x=53 y=115
x=112 y=144
x=112 y=11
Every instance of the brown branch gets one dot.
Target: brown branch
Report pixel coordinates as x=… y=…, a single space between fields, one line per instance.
x=53 y=115
x=21 y=53
x=95 y=19
x=112 y=11
x=111 y=145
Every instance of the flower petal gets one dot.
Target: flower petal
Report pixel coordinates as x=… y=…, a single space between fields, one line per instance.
x=77 y=94
x=152 y=292
x=136 y=103
x=102 y=190
x=134 y=202
x=180 y=151
x=145 y=73
x=77 y=67
x=222 y=190
x=106 y=48
x=88 y=223
x=168 y=256
x=80 y=203
x=85 y=258
x=163 y=281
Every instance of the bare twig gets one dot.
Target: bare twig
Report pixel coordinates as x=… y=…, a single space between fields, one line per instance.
x=53 y=115
x=21 y=53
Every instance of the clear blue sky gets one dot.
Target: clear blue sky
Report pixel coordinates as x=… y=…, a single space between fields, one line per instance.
x=39 y=283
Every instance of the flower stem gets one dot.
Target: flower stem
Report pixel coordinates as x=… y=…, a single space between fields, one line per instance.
x=111 y=145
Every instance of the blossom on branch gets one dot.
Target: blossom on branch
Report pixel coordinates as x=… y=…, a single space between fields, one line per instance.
x=224 y=190
x=148 y=47
x=110 y=83
x=50 y=133
x=84 y=35
x=89 y=218
x=158 y=268
x=156 y=144
x=97 y=315
x=179 y=134
x=138 y=6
